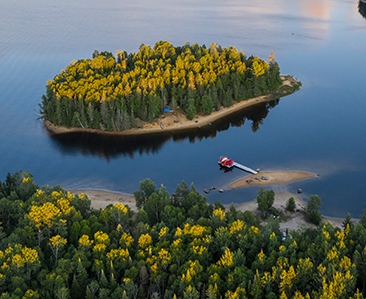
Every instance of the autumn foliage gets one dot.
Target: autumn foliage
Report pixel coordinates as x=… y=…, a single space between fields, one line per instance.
x=115 y=92
x=53 y=245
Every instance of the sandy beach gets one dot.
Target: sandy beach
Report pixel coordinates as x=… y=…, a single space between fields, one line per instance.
x=271 y=178
x=100 y=199
x=177 y=120
x=297 y=219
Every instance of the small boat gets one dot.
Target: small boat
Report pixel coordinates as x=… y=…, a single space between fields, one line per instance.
x=224 y=161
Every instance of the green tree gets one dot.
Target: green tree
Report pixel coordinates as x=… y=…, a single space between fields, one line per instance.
x=207 y=105
x=265 y=199
x=191 y=109
x=146 y=189
x=191 y=293
x=75 y=233
x=312 y=209
x=347 y=221
x=82 y=278
x=155 y=205
x=359 y=258
x=62 y=293
x=142 y=216
x=290 y=204
x=76 y=291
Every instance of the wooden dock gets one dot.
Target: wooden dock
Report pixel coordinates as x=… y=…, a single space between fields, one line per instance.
x=242 y=167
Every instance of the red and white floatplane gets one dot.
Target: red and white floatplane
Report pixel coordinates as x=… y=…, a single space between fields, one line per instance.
x=224 y=161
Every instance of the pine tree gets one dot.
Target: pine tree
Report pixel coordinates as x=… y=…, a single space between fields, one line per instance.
x=191 y=109
x=228 y=101
x=347 y=221
x=207 y=105
x=103 y=282
x=173 y=103
x=82 y=277
x=59 y=113
x=88 y=294
x=62 y=293
x=90 y=113
x=290 y=204
x=191 y=293
x=104 y=112
x=76 y=292
x=92 y=289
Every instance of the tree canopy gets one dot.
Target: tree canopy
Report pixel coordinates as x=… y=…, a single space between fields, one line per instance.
x=54 y=245
x=111 y=92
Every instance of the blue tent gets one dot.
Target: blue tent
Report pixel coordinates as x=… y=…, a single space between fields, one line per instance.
x=166 y=110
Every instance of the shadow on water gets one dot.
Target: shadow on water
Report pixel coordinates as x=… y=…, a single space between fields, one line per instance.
x=362 y=8
x=110 y=146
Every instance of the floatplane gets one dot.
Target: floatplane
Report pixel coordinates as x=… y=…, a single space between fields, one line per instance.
x=225 y=162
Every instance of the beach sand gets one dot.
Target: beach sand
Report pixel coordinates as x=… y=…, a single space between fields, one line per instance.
x=274 y=178
x=100 y=199
x=297 y=219
x=177 y=120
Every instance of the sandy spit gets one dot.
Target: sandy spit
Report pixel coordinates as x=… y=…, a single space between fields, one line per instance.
x=271 y=178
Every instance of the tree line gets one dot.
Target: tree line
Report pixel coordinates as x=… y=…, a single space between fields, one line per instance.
x=113 y=92
x=54 y=245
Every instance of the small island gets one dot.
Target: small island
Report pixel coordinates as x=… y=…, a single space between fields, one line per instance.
x=131 y=93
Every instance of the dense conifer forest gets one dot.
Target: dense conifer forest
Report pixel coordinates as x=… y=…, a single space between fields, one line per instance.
x=117 y=92
x=53 y=245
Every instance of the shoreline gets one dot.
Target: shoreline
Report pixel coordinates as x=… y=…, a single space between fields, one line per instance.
x=100 y=199
x=177 y=120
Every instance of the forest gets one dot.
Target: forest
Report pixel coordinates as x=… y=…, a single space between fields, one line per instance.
x=54 y=245
x=119 y=92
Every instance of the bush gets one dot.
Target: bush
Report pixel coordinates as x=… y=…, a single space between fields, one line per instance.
x=275 y=212
x=291 y=205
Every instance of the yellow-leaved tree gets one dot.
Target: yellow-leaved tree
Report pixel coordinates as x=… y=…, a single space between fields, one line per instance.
x=56 y=243
x=49 y=213
x=18 y=260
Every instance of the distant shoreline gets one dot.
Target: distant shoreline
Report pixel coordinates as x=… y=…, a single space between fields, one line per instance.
x=177 y=120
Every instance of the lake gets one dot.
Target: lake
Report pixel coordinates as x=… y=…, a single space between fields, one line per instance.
x=321 y=128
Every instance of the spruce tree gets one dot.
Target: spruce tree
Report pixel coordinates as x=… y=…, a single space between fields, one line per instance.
x=103 y=281
x=191 y=109
x=76 y=292
x=82 y=277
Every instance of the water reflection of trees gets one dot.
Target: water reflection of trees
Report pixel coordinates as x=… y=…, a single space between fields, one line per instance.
x=362 y=8
x=109 y=147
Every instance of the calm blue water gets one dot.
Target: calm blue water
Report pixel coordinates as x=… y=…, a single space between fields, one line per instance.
x=320 y=129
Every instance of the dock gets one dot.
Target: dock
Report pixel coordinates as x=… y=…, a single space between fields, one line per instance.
x=242 y=167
